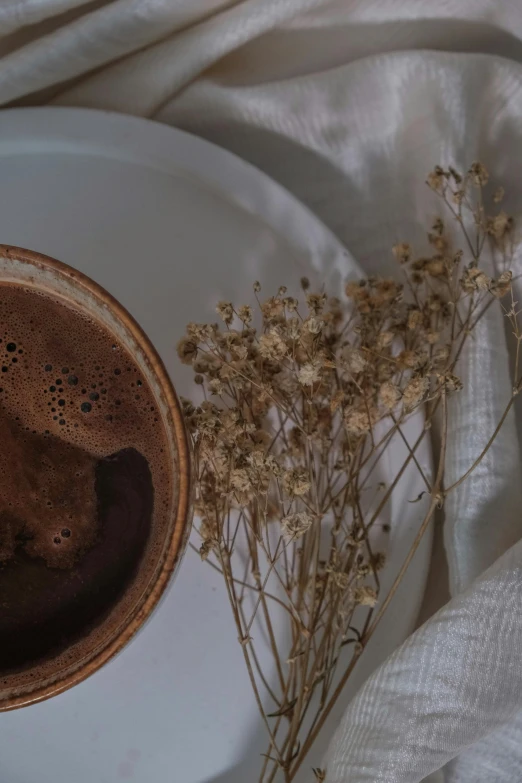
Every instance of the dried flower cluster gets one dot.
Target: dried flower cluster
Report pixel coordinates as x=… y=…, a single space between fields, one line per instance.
x=301 y=397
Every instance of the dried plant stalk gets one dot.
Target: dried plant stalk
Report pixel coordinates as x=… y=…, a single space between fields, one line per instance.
x=296 y=417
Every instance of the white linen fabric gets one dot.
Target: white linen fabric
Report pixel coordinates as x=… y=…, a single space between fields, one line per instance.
x=347 y=104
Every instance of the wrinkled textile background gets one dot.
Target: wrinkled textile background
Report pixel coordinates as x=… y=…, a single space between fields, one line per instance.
x=348 y=104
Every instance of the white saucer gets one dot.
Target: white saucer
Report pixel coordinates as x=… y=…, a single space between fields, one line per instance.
x=170 y=225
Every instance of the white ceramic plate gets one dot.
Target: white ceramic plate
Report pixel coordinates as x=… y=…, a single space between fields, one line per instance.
x=169 y=224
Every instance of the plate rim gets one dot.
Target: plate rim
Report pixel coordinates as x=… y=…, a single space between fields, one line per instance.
x=170 y=150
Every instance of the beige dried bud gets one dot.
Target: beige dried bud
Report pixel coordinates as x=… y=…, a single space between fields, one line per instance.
x=290 y=303
x=439 y=243
x=356 y=290
x=502 y=286
x=245 y=314
x=499 y=225
x=309 y=373
x=294 y=526
x=498 y=195
x=435 y=179
x=357 y=421
x=216 y=386
x=273 y=466
x=389 y=394
x=225 y=311
x=474 y=279
x=365 y=596
x=240 y=480
x=415 y=391
x=402 y=252
x=296 y=482
x=206 y=548
x=384 y=339
x=436 y=267
x=257 y=286
x=196 y=332
x=272 y=346
x=457 y=178
x=409 y=360
x=438 y=226
x=451 y=382
x=435 y=303
x=458 y=196
x=293 y=328
x=239 y=352
x=363 y=569
x=336 y=401
x=340 y=579
x=187 y=350
x=187 y=406
x=479 y=174
x=316 y=303
x=415 y=319
x=272 y=309
x=355 y=360
x=385 y=291
x=314 y=325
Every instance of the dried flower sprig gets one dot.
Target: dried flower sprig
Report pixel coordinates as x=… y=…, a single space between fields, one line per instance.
x=296 y=415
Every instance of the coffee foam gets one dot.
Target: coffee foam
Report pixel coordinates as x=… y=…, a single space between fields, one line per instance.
x=70 y=394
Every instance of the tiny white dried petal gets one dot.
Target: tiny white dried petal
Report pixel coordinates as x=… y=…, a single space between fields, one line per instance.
x=309 y=373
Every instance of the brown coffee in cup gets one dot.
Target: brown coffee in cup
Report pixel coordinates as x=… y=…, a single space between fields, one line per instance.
x=86 y=485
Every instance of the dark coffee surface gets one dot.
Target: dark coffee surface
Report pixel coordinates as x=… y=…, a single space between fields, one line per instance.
x=83 y=486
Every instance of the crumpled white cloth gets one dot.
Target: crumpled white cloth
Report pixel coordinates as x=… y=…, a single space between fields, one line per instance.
x=347 y=104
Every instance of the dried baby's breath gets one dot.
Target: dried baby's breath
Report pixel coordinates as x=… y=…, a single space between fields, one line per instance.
x=301 y=396
x=272 y=346
x=435 y=178
x=296 y=482
x=309 y=373
x=365 y=596
x=402 y=252
x=225 y=312
x=500 y=225
x=294 y=526
x=389 y=394
x=415 y=391
x=187 y=350
x=479 y=173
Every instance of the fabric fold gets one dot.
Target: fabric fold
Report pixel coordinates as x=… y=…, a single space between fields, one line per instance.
x=456 y=680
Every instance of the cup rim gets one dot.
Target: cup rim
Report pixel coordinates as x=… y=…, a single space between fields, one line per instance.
x=175 y=547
